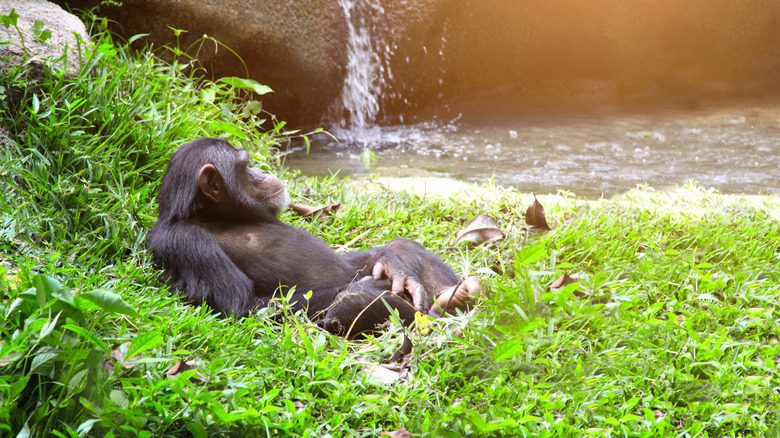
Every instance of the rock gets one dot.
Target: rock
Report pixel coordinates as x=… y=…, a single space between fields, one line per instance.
x=62 y=50
x=295 y=47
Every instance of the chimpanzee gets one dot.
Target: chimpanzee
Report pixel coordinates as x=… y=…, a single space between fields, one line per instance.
x=219 y=240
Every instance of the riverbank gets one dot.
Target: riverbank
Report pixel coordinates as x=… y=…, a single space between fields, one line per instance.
x=671 y=328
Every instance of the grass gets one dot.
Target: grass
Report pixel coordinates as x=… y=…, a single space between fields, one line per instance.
x=671 y=331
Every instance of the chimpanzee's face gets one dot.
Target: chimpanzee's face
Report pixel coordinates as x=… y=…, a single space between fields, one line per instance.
x=263 y=187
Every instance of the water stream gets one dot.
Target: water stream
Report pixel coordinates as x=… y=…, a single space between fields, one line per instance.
x=366 y=69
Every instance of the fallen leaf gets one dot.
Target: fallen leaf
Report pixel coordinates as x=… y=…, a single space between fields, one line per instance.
x=400 y=433
x=119 y=355
x=383 y=374
x=659 y=415
x=563 y=280
x=482 y=228
x=180 y=367
x=534 y=216
x=310 y=211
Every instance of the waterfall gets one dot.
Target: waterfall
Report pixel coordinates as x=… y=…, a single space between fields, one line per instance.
x=367 y=64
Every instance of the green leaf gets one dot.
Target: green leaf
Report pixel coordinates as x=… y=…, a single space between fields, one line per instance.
x=136 y=37
x=531 y=254
x=246 y=84
x=208 y=94
x=9 y=20
x=197 y=430
x=40 y=32
x=47 y=288
x=108 y=301
x=85 y=427
x=18 y=385
x=507 y=350
x=230 y=128
x=15 y=305
x=78 y=382
x=49 y=326
x=119 y=398
x=143 y=342
x=36 y=104
x=25 y=432
x=86 y=335
x=254 y=107
x=42 y=358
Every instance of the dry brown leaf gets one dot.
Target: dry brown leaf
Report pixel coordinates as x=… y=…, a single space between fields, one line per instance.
x=180 y=367
x=382 y=374
x=310 y=211
x=482 y=228
x=563 y=280
x=119 y=355
x=534 y=216
x=400 y=433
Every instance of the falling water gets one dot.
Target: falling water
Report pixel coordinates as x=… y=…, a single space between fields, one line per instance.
x=367 y=67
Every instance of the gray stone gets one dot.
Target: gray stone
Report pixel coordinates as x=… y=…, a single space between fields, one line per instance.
x=295 y=47
x=63 y=50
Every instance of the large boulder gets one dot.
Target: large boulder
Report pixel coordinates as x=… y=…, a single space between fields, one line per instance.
x=295 y=47
x=49 y=35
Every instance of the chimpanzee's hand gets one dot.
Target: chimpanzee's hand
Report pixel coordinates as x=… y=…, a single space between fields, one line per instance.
x=402 y=281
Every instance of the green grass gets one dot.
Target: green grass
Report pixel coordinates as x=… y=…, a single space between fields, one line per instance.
x=673 y=329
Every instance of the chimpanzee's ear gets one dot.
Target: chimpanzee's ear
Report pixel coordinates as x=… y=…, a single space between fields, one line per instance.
x=210 y=183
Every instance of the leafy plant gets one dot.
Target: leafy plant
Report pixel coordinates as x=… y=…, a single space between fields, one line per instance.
x=53 y=354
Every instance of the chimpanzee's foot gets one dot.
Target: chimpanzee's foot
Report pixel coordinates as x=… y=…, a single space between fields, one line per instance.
x=458 y=297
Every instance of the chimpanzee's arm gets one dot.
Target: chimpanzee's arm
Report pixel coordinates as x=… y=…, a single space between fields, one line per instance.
x=198 y=267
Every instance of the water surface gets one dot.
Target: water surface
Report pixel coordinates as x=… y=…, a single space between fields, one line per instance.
x=734 y=149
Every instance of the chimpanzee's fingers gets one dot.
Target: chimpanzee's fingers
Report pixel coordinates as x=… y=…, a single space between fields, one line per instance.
x=397 y=284
x=379 y=271
x=420 y=299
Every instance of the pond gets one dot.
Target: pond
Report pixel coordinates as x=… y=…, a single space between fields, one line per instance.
x=733 y=148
